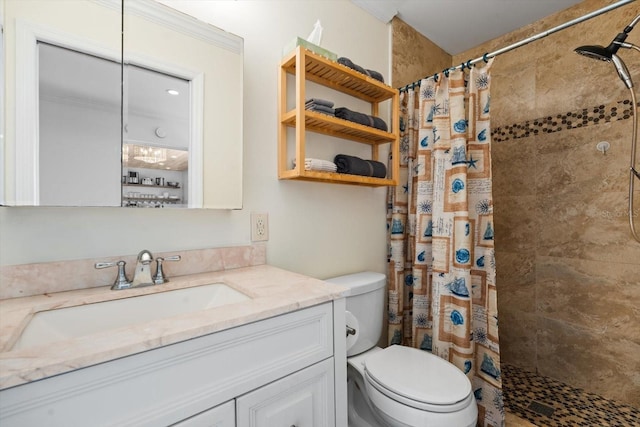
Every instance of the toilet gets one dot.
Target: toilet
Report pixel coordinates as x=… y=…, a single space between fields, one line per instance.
x=396 y=386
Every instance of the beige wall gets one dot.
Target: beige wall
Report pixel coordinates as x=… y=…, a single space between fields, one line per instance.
x=568 y=269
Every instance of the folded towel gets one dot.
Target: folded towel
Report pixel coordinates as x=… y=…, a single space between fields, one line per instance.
x=318 y=165
x=321 y=109
x=357 y=166
x=361 y=118
x=373 y=74
x=318 y=101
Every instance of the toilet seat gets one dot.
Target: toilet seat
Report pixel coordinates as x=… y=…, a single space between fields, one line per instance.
x=418 y=379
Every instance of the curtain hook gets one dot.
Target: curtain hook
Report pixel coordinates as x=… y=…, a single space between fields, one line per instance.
x=435 y=77
x=446 y=72
x=469 y=64
x=485 y=57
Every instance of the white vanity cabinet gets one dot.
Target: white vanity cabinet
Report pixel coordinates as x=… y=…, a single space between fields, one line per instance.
x=221 y=416
x=281 y=368
x=303 y=399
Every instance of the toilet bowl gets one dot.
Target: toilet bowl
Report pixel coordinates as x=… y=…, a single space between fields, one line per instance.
x=397 y=386
x=410 y=387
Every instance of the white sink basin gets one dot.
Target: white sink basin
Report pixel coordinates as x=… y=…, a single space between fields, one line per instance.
x=72 y=322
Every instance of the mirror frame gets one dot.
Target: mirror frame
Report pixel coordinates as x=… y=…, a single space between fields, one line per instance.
x=3 y=104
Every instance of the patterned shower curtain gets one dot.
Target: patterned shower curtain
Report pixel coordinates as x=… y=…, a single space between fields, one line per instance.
x=442 y=290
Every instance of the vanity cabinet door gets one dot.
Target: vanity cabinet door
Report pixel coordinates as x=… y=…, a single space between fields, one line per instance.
x=303 y=399
x=221 y=416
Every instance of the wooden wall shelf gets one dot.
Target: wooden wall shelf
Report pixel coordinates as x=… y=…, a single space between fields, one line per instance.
x=308 y=66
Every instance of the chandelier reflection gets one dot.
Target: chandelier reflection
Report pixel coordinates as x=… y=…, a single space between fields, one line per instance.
x=150 y=155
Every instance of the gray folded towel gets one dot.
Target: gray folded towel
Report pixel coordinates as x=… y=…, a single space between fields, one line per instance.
x=361 y=118
x=318 y=101
x=321 y=109
x=373 y=74
x=357 y=166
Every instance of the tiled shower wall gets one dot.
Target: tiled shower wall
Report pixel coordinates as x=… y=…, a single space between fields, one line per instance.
x=568 y=269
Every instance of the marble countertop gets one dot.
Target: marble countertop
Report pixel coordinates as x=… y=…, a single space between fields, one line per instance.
x=273 y=291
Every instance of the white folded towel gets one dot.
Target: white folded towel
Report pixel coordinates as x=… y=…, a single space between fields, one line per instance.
x=318 y=165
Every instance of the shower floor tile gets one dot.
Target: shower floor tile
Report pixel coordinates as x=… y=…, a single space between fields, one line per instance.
x=546 y=402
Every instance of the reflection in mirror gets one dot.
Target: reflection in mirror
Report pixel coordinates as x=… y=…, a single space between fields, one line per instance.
x=79 y=120
x=79 y=114
x=156 y=139
x=159 y=43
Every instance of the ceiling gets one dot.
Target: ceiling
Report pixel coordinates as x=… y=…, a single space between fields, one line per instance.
x=459 y=25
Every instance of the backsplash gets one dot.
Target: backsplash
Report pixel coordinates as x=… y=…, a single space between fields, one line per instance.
x=41 y=278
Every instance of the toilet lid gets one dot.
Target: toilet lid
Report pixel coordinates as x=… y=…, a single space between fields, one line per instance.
x=418 y=375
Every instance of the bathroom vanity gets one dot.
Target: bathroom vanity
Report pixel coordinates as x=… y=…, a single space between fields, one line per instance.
x=276 y=358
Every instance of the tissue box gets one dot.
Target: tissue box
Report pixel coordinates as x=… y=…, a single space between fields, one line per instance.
x=299 y=41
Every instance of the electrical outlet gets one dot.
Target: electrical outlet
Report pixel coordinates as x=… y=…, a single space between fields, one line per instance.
x=259 y=227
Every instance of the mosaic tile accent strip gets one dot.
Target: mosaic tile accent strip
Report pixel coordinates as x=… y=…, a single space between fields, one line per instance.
x=571 y=406
x=619 y=110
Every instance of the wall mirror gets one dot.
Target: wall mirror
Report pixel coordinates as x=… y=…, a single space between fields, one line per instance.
x=119 y=104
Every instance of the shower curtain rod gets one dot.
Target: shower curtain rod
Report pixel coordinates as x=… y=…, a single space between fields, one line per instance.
x=528 y=40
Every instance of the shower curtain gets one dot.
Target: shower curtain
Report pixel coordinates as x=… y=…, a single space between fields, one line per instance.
x=442 y=292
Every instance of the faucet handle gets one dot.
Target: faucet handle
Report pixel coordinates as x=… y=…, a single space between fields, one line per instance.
x=159 y=278
x=121 y=281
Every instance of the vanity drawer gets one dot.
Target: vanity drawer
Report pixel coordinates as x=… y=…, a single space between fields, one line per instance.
x=169 y=384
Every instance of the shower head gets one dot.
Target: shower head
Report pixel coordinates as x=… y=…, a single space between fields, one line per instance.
x=601 y=52
x=595 y=52
x=605 y=53
x=608 y=53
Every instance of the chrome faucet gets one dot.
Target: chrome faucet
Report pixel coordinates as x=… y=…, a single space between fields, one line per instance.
x=142 y=274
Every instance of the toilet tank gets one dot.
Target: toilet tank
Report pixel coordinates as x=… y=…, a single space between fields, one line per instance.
x=365 y=309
